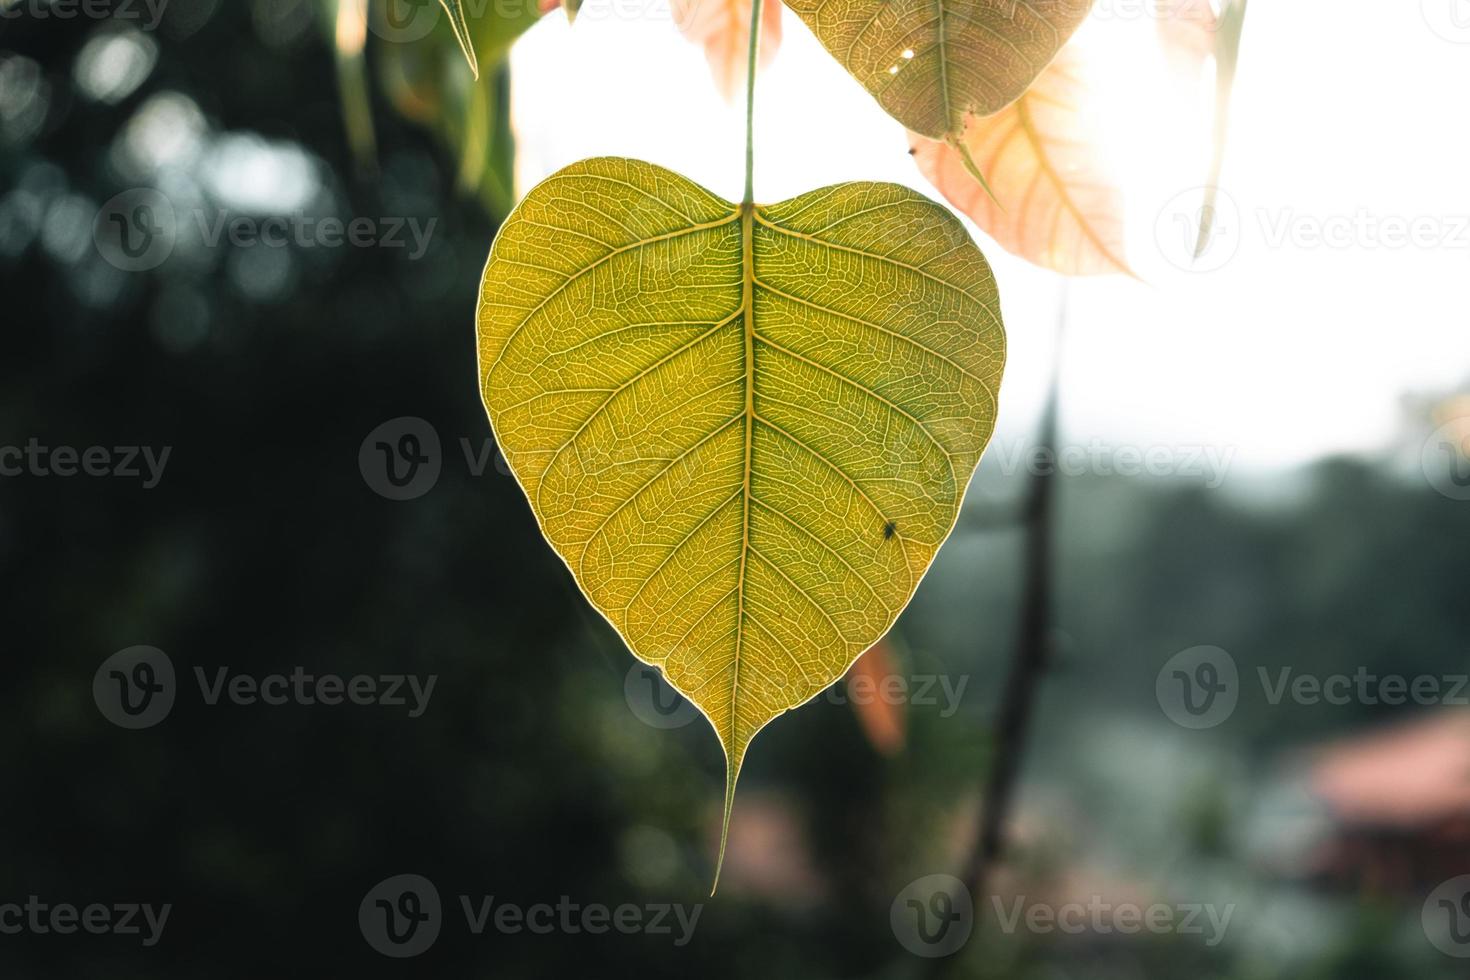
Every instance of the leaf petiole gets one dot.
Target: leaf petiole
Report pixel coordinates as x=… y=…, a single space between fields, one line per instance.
x=755 y=44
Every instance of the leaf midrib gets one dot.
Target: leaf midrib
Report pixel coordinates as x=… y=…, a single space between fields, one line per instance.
x=1023 y=117
x=747 y=302
x=749 y=216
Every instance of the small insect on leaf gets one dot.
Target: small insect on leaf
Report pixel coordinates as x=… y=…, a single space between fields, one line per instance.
x=888 y=530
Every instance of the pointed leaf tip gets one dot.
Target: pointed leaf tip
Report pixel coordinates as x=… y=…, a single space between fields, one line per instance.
x=732 y=776
x=461 y=26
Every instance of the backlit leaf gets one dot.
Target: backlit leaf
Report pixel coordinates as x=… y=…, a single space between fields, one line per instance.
x=723 y=28
x=746 y=431
x=929 y=62
x=1057 y=205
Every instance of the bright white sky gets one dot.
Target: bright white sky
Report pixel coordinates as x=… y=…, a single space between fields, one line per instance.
x=1344 y=110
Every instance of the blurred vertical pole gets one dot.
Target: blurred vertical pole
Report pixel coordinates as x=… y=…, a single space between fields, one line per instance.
x=1029 y=659
x=349 y=39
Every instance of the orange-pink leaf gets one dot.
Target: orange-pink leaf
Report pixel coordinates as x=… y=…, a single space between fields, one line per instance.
x=1058 y=206
x=723 y=27
x=882 y=716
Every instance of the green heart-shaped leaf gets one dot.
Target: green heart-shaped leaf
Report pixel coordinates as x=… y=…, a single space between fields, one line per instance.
x=929 y=62
x=746 y=429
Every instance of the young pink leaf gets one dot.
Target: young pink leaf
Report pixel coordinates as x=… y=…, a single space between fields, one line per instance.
x=723 y=27
x=1054 y=204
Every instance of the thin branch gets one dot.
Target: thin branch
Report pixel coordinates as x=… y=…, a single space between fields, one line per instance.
x=755 y=46
x=1030 y=658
